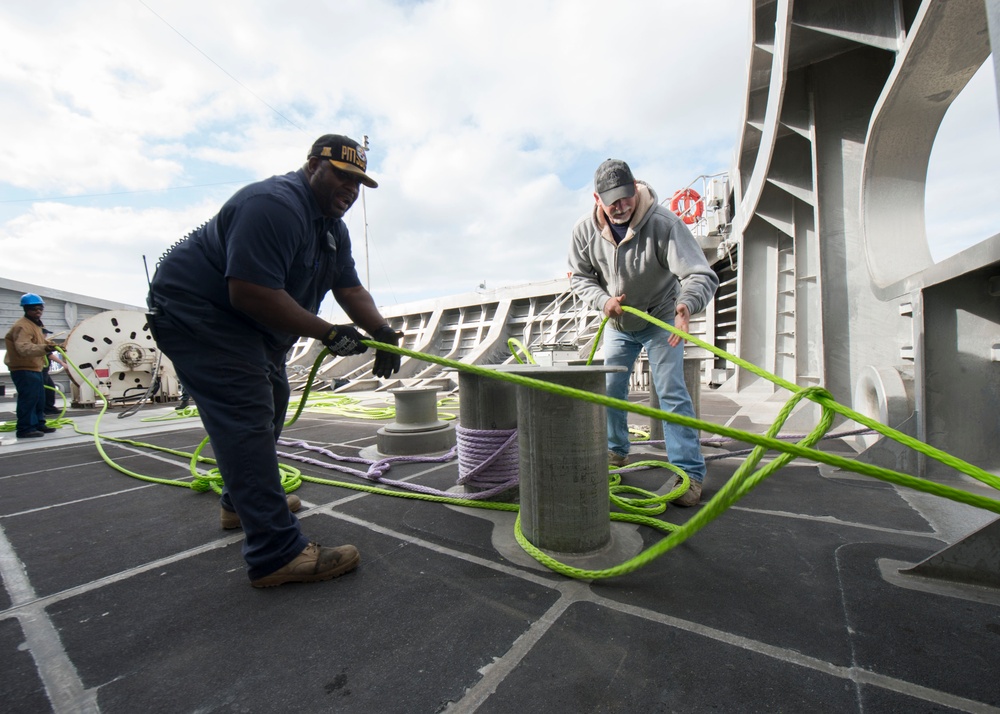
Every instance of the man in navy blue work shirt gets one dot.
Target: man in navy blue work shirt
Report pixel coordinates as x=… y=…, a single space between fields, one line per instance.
x=228 y=302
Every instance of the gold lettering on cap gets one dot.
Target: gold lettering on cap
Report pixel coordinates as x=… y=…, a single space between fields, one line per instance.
x=326 y=152
x=352 y=155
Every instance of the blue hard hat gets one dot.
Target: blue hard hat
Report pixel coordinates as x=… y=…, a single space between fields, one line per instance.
x=31 y=299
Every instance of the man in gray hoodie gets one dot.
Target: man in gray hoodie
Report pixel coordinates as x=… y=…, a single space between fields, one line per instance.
x=630 y=250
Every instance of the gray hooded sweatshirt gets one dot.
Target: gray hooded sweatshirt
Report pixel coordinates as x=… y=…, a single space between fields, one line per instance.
x=657 y=264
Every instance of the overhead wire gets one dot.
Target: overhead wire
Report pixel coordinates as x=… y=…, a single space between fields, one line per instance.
x=223 y=69
x=262 y=101
x=40 y=199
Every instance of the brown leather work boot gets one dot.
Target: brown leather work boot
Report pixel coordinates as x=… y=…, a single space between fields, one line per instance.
x=313 y=565
x=691 y=497
x=231 y=520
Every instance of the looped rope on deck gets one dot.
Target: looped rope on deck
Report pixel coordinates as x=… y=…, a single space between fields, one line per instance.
x=633 y=499
x=745 y=478
x=56 y=423
x=741 y=483
x=377 y=470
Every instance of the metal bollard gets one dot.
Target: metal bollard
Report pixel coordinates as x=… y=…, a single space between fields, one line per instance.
x=563 y=460
x=487 y=404
x=417 y=430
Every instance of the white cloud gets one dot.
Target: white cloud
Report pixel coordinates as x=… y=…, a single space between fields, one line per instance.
x=486 y=121
x=92 y=251
x=960 y=208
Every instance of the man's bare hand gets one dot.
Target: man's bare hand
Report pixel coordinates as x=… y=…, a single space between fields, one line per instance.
x=613 y=307
x=682 y=320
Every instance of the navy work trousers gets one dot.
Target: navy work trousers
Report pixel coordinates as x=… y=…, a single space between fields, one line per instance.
x=30 y=409
x=241 y=391
x=49 y=387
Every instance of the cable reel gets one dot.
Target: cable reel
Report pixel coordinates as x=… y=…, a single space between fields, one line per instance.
x=117 y=353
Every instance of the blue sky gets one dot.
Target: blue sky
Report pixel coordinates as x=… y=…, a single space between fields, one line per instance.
x=129 y=122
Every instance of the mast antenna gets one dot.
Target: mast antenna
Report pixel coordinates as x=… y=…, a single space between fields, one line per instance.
x=364 y=218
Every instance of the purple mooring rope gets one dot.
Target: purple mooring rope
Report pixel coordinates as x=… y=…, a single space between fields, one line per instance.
x=494 y=470
x=487 y=458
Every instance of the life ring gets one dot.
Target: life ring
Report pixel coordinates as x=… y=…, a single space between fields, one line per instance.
x=687 y=204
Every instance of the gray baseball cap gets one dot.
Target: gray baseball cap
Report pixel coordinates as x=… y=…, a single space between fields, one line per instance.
x=613 y=180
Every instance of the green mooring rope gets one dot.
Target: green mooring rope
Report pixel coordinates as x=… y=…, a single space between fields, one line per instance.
x=745 y=478
x=514 y=345
x=639 y=510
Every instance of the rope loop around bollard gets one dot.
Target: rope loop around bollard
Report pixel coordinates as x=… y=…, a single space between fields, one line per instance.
x=744 y=480
x=487 y=457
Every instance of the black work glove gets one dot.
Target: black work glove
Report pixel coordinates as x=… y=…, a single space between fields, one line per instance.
x=344 y=340
x=386 y=363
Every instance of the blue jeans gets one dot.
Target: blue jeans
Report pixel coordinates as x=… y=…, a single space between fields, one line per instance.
x=242 y=392
x=666 y=367
x=30 y=388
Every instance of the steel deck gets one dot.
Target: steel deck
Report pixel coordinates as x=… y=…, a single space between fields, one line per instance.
x=126 y=596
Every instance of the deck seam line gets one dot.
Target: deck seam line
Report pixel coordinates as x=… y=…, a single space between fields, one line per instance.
x=853 y=673
x=83 y=588
x=830 y=520
x=58 y=674
x=494 y=674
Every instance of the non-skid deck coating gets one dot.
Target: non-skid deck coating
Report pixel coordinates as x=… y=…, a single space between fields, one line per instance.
x=121 y=597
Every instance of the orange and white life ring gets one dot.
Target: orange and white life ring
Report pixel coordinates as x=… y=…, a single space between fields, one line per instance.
x=687 y=204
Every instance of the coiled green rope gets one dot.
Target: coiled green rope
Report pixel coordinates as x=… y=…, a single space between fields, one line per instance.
x=55 y=423
x=745 y=478
x=639 y=511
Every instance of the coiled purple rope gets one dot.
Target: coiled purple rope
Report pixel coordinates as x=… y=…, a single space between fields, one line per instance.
x=493 y=482
x=487 y=459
